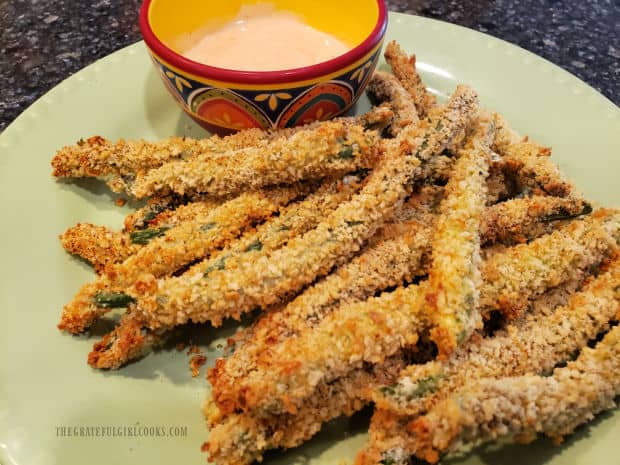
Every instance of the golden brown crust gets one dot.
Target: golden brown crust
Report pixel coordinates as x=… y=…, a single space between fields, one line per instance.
x=529 y=164
x=385 y=88
x=454 y=275
x=102 y=246
x=119 y=162
x=543 y=339
x=523 y=219
x=279 y=381
x=536 y=345
x=208 y=230
x=395 y=254
x=388 y=262
x=520 y=408
x=404 y=69
x=99 y=245
x=331 y=149
x=512 y=278
x=121 y=346
x=243 y=285
x=289 y=372
x=240 y=439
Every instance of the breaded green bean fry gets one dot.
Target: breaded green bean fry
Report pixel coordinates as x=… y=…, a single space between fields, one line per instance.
x=331 y=149
x=454 y=275
x=240 y=439
x=285 y=375
x=520 y=220
x=520 y=408
x=404 y=68
x=119 y=162
x=393 y=258
x=530 y=164
x=544 y=340
x=243 y=285
x=363 y=332
x=384 y=87
x=398 y=253
x=102 y=246
x=124 y=343
x=173 y=249
x=99 y=245
x=536 y=345
x=512 y=278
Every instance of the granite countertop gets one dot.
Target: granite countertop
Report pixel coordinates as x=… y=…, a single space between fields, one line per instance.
x=43 y=42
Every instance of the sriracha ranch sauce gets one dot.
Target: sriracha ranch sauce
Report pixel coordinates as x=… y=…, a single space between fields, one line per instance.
x=262 y=39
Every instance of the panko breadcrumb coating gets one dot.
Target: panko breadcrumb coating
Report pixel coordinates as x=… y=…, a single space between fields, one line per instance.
x=99 y=245
x=396 y=254
x=142 y=217
x=240 y=439
x=265 y=280
x=365 y=332
x=384 y=87
x=535 y=345
x=404 y=69
x=510 y=279
x=529 y=163
x=131 y=339
x=102 y=246
x=176 y=247
x=390 y=260
x=286 y=374
x=119 y=162
x=518 y=409
x=331 y=149
x=454 y=275
x=523 y=219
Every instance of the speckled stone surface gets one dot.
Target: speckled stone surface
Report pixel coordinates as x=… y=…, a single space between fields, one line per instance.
x=42 y=41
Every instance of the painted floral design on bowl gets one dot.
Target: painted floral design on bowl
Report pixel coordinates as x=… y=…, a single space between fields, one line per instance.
x=225 y=109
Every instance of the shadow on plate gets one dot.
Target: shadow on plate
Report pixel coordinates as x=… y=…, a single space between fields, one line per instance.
x=97 y=192
x=171 y=360
x=332 y=435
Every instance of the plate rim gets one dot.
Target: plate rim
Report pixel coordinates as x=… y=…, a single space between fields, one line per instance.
x=132 y=49
x=55 y=95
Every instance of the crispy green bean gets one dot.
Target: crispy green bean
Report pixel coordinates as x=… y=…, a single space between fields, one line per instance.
x=331 y=149
x=286 y=374
x=454 y=275
x=263 y=281
x=207 y=231
x=404 y=68
x=125 y=343
x=384 y=87
x=525 y=406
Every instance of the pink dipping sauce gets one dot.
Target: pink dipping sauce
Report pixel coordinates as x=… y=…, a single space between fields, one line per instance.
x=262 y=39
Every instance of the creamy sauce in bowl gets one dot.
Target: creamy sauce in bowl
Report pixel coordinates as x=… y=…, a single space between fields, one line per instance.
x=263 y=39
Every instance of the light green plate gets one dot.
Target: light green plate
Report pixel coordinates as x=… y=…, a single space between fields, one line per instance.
x=45 y=383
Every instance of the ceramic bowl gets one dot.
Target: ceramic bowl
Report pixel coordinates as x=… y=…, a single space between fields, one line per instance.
x=224 y=100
